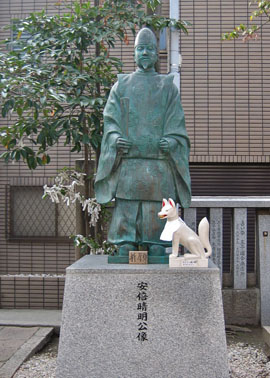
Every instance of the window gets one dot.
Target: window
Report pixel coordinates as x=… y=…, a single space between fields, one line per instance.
x=163 y=39
x=31 y=217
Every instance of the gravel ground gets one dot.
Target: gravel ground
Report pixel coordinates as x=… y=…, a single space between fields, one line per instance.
x=42 y=364
x=248 y=357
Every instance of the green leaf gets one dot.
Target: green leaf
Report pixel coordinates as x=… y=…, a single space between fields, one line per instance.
x=96 y=141
x=77 y=8
x=31 y=162
x=8 y=105
x=41 y=137
x=24 y=154
x=28 y=150
x=85 y=139
x=5 y=155
x=81 y=117
x=17 y=155
x=19 y=111
x=12 y=143
x=152 y=4
x=43 y=100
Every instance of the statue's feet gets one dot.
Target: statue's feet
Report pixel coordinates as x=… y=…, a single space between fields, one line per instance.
x=125 y=248
x=157 y=250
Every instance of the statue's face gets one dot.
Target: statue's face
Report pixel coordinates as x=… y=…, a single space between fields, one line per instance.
x=145 y=56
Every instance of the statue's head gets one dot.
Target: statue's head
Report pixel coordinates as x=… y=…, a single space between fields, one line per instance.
x=146 y=49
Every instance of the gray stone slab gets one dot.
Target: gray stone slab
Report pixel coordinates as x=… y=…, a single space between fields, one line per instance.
x=28 y=346
x=242 y=307
x=216 y=236
x=106 y=312
x=25 y=317
x=266 y=334
x=230 y=201
x=264 y=266
x=17 y=333
x=12 y=338
x=240 y=248
x=190 y=218
x=7 y=350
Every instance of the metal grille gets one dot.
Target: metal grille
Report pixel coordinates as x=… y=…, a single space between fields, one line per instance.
x=232 y=180
x=31 y=217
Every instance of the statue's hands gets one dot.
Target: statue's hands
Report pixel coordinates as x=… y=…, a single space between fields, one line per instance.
x=123 y=145
x=164 y=145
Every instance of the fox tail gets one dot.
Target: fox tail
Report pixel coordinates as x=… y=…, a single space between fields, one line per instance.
x=203 y=232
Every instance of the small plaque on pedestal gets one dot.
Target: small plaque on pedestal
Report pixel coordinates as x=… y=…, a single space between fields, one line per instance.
x=138 y=257
x=181 y=262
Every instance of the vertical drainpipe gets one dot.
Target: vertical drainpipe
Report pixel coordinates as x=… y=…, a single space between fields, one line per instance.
x=175 y=57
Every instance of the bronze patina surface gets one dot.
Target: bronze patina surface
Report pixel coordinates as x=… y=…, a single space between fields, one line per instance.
x=144 y=153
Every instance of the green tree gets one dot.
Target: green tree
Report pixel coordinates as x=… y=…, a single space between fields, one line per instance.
x=56 y=76
x=251 y=32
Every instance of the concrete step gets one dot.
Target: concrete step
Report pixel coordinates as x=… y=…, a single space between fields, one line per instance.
x=17 y=344
x=25 y=317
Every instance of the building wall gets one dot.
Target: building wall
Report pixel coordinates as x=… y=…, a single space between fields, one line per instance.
x=29 y=256
x=225 y=95
x=32 y=268
x=225 y=85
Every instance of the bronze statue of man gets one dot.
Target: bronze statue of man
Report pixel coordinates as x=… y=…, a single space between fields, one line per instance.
x=144 y=152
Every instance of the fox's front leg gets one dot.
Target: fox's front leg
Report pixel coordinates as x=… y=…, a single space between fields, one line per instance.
x=175 y=245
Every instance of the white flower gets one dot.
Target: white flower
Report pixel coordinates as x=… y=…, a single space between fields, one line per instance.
x=64 y=189
x=66 y=200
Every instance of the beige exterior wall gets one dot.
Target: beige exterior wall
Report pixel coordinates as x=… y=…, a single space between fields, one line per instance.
x=225 y=85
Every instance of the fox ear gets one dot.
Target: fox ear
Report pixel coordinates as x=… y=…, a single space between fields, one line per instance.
x=164 y=201
x=171 y=202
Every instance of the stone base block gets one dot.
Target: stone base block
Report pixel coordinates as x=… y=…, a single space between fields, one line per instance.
x=182 y=262
x=241 y=307
x=127 y=321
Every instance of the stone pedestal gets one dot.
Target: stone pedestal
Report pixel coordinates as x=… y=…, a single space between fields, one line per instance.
x=125 y=321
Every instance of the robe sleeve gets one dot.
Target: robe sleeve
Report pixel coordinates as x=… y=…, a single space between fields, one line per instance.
x=179 y=146
x=107 y=173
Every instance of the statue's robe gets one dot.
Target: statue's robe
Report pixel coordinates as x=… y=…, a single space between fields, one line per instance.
x=139 y=179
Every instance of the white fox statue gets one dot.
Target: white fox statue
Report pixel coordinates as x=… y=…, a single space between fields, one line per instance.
x=178 y=232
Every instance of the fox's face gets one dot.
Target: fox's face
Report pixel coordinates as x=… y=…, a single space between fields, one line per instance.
x=168 y=209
